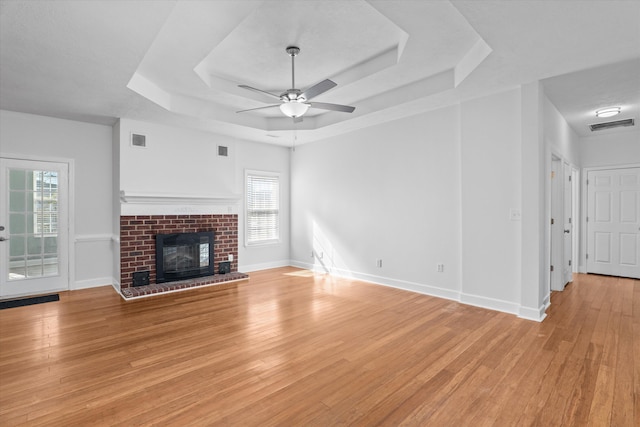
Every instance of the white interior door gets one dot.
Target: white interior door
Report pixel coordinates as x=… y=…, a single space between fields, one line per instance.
x=567 y=268
x=613 y=218
x=33 y=227
x=556 y=251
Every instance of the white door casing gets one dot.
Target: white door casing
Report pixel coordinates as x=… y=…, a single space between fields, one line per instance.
x=613 y=218
x=34 y=212
x=567 y=262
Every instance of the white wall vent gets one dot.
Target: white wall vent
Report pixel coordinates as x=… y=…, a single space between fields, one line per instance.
x=611 y=125
x=223 y=151
x=138 y=140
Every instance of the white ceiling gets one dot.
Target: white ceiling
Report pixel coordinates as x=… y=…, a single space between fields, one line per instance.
x=180 y=62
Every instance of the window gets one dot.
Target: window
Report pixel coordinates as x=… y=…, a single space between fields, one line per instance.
x=45 y=202
x=262 y=208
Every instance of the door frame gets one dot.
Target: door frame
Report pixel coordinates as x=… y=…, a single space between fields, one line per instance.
x=576 y=215
x=71 y=236
x=557 y=240
x=556 y=244
x=584 y=206
x=569 y=218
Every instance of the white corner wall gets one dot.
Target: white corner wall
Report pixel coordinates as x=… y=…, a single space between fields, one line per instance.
x=562 y=139
x=443 y=187
x=87 y=147
x=491 y=191
x=179 y=161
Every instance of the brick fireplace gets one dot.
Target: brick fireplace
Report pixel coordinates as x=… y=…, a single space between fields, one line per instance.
x=138 y=250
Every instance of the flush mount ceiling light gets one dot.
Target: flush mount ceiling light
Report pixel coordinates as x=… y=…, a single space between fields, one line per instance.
x=608 y=112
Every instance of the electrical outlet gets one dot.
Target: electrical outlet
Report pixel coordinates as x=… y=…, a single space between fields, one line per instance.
x=312 y=255
x=230 y=257
x=379 y=263
x=440 y=268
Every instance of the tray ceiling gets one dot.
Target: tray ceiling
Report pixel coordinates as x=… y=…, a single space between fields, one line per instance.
x=180 y=62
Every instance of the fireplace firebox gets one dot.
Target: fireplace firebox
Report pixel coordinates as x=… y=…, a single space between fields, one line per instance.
x=184 y=256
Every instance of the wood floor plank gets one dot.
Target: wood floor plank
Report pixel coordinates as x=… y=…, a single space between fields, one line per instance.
x=293 y=348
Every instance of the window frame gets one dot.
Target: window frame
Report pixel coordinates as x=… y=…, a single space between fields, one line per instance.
x=264 y=174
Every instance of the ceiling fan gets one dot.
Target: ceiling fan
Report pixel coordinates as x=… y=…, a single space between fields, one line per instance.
x=295 y=102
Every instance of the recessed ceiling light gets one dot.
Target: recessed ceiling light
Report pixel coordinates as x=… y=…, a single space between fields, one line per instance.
x=608 y=112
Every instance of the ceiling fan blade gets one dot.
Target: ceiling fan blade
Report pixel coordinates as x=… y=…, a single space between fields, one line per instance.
x=259 y=90
x=317 y=89
x=259 y=108
x=333 y=107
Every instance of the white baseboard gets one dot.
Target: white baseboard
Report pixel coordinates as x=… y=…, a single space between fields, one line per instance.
x=547 y=302
x=84 y=238
x=490 y=303
x=537 y=315
x=469 y=299
x=91 y=283
x=116 y=287
x=263 y=266
x=420 y=288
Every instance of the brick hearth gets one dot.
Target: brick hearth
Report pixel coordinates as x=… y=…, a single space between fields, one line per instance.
x=138 y=250
x=221 y=281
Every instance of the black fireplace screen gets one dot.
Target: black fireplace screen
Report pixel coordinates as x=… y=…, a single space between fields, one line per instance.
x=184 y=256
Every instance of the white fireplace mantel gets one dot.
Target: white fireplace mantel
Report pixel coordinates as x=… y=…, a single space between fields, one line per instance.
x=133 y=203
x=178 y=199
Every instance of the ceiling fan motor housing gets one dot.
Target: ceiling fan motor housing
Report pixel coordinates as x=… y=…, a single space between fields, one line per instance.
x=292 y=95
x=293 y=50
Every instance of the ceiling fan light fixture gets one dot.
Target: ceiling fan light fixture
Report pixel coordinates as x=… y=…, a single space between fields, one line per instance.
x=294 y=108
x=294 y=101
x=608 y=112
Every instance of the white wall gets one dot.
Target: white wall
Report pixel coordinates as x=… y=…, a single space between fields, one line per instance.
x=534 y=287
x=175 y=161
x=491 y=188
x=601 y=150
x=115 y=215
x=390 y=192
x=562 y=139
x=436 y=188
x=185 y=162
x=88 y=148
x=563 y=143
x=610 y=149
x=268 y=158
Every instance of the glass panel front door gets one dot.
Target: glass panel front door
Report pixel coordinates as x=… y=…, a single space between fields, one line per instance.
x=33 y=216
x=34 y=245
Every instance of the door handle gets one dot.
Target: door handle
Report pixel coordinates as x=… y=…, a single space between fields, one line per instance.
x=567 y=231
x=2 y=239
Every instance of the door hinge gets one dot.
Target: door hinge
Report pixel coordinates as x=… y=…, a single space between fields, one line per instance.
x=569 y=220
x=569 y=178
x=569 y=262
x=587 y=219
x=587 y=182
x=587 y=256
x=552 y=221
x=552 y=268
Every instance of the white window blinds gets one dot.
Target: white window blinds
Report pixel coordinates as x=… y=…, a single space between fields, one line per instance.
x=262 y=208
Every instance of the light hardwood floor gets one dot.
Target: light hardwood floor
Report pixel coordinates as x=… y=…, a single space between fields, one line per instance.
x=292 y=349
